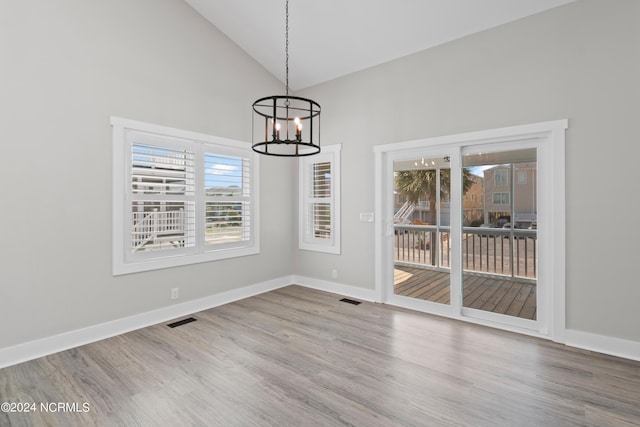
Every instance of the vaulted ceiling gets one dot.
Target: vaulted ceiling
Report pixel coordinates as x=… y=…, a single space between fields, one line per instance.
x=332 y=38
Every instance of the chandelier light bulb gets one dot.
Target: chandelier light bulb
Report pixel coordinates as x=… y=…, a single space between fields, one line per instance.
x=277 y=126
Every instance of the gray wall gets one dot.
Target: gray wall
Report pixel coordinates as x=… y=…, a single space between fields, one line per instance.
x=581 y=62
x=66 y=66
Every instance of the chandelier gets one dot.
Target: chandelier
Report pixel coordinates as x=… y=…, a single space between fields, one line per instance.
x=286 y=125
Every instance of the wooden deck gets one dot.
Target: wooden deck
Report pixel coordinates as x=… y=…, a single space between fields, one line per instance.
x=484 y=293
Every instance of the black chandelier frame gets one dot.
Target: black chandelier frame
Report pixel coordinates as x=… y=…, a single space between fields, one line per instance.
x=287 y=140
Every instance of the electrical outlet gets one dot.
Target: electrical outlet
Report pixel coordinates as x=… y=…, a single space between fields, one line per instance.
x=174 y=293
x=334 y=274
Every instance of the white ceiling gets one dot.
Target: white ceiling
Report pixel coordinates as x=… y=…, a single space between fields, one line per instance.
x=332 y=38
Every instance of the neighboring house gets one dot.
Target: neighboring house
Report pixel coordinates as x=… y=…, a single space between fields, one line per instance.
x=500 y=194
x=472 y=203
x=413 y=213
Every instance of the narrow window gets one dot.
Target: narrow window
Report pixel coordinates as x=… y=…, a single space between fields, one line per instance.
x=501 y=177
x=319 y=211
x=522 y=177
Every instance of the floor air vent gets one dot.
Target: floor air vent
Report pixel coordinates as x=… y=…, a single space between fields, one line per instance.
x=351 y=301
x=182 y=322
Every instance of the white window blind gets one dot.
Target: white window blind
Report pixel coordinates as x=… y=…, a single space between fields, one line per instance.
x=180 y=197
x=162 y=196
x=320 y=201
x=319 y=205
x=228 y=201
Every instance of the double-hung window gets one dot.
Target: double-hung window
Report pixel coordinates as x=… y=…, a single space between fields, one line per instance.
x=319 y=195
x=501 y=198
x=501 y=177
x=180 y=197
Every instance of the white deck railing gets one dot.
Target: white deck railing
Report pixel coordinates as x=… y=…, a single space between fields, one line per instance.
x=495 y=251
x=404 y=212
x=150 y=226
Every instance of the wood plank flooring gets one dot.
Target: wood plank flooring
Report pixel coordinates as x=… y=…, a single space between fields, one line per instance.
x=484 y=293
x=300 y=357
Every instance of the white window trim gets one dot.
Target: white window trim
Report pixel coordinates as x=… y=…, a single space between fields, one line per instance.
x=121 y=264
x=330 y=153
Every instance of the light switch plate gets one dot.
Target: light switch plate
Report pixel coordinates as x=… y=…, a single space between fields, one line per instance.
x=366 y=216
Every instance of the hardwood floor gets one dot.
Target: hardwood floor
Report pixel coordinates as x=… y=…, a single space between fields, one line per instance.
x=484 y=293
x=300 y=357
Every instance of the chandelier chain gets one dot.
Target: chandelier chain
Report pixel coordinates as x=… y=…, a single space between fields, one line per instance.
x=290 y=124
x=286 y=48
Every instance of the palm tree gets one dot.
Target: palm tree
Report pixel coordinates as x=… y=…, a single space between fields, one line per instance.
x=417 y=184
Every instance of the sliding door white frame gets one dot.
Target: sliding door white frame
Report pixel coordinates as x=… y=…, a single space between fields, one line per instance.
x=549 y=139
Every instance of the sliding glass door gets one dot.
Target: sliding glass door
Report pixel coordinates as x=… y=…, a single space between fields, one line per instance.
x=422 y=244
x=465 y=232
x=499 y=235
x=471 y=226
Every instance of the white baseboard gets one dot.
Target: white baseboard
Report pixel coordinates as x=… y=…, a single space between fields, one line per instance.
x=50 y=345
x=336 y=288
x=603 y=344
